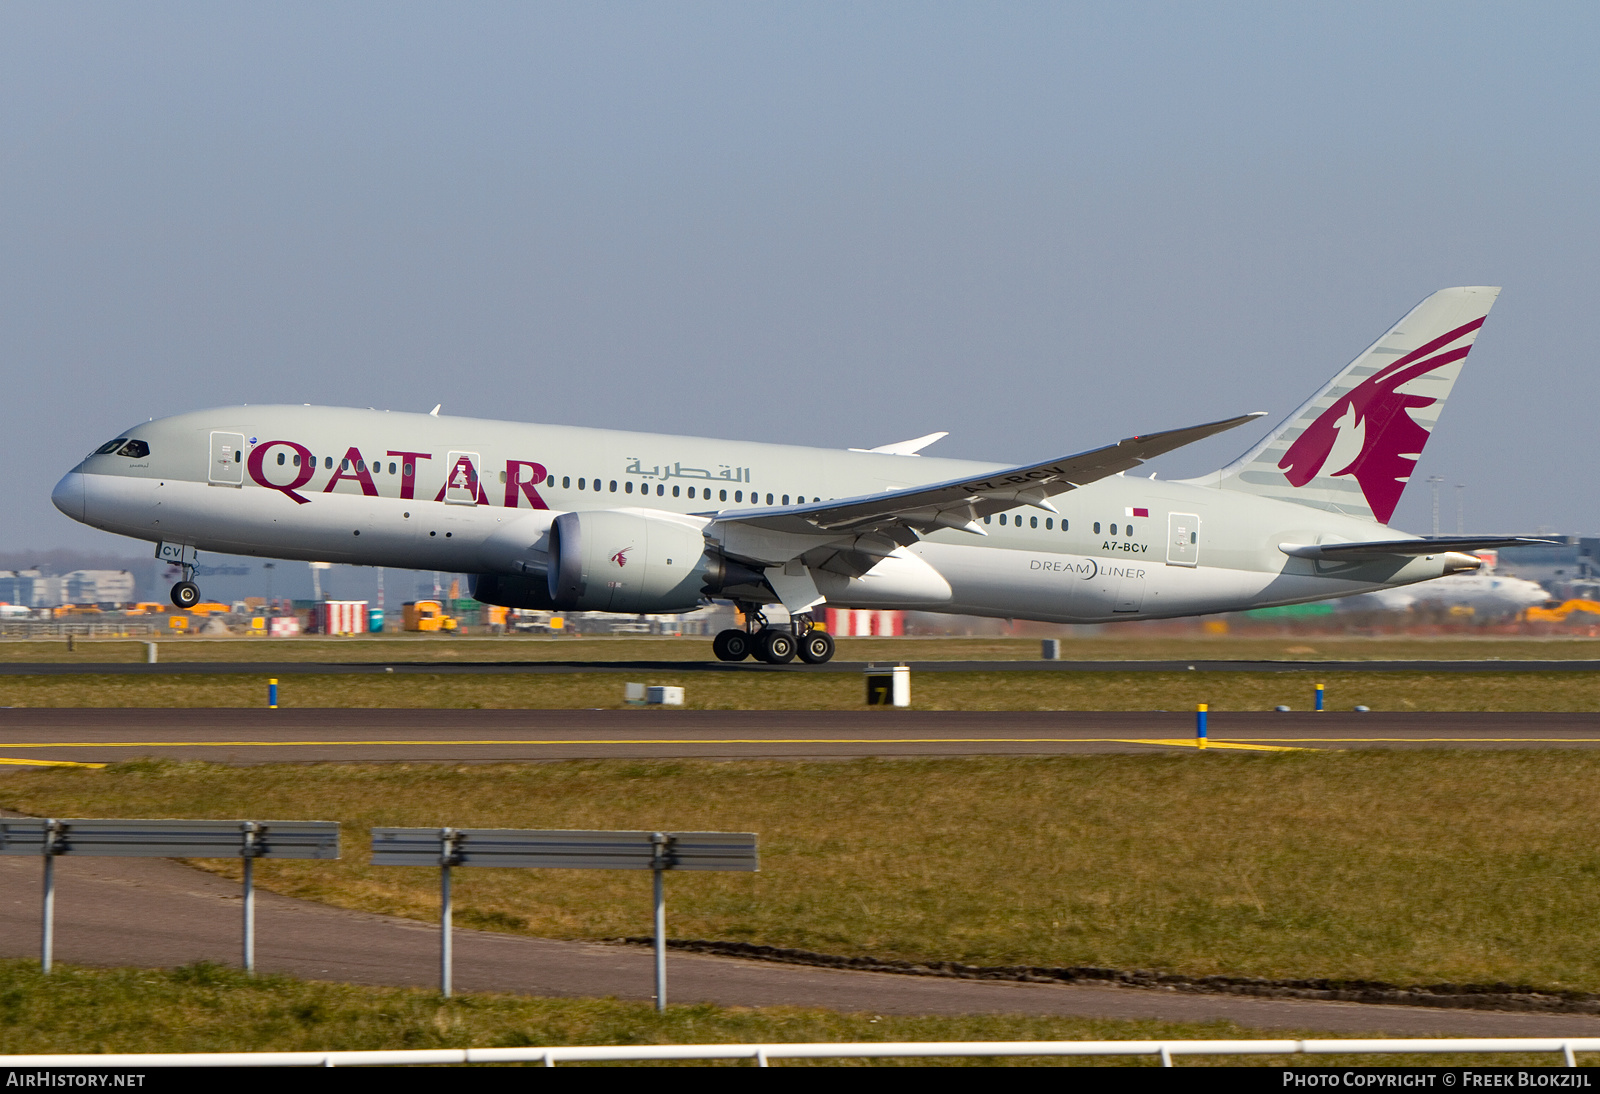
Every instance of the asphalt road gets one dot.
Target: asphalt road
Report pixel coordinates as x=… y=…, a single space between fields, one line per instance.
x=151 y=912
x=108 y=735
x=300 y=668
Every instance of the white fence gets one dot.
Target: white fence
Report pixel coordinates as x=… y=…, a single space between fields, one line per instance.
x=1165 y=1051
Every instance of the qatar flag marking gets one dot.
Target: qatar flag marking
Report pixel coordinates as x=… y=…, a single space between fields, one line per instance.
x=1132 y=512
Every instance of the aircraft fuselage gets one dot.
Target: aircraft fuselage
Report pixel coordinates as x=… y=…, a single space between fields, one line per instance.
x=377 y=488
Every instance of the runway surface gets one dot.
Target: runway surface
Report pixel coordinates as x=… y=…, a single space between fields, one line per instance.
x=361 y=668
x=100 y=735
x=152 y=912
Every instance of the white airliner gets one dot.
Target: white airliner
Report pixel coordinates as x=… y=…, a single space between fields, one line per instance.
x=1487 y=594
x=558 y=517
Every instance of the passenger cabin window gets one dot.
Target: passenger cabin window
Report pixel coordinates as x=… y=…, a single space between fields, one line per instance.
x=566 y=482
x=986 y=520
x=1113 y=529
x=769 y=499
x=282 y=459
x=411 y=469
x=1097 y=528
x=675 y=491
x=1128 y=531
x=691 y=491
x=1049 y=524
x=1002 y=520
x=110 y=446
x=391 y=468
x=1033 y=522
x=722 y=495
x=581 y=483
x=629 y=488
x=137 y=450
x=613 y=486
x=327 y=463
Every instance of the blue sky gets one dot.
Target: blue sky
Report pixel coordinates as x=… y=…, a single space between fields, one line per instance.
x=1039 y=226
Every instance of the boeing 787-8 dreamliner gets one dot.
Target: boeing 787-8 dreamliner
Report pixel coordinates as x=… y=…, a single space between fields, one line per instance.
x=579 y=519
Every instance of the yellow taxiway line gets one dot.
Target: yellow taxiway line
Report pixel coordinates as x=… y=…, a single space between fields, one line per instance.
x=1212 y=742
x=46 y=763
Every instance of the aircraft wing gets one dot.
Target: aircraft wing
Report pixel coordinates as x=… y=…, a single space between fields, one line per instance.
x=961 y=503
x=1425 y=545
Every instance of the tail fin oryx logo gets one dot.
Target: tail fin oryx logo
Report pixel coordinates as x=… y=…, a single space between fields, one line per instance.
x=1352 y=447
x=1370 y=433
x=621 y=557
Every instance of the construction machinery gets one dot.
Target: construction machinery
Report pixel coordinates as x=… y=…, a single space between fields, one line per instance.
x=429 y=616
x=1559 y=613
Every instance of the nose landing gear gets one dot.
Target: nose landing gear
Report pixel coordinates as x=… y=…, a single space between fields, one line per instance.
x=186 y=594
x=774 y=645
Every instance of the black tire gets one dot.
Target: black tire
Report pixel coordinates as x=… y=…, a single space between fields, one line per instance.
x=185 y=594
x=732 y=645
x=776 y=647
x=816 y=648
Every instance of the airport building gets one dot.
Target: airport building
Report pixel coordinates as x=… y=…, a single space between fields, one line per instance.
x=33 y=589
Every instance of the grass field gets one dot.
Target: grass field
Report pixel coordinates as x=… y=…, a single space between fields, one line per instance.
x=1114 y=644
x=1406 y=867
x=1225 y=691
x=209 y=1009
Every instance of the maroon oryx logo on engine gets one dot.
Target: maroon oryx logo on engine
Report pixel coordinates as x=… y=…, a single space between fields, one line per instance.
x=621 y=557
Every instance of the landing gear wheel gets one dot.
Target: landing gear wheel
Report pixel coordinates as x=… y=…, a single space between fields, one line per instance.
x=776 y=647
x=733 y=645
x=816 y=648
x=185 y=594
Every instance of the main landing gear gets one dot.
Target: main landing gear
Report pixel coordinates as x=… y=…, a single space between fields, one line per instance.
x=775 y=645
x=186 y=594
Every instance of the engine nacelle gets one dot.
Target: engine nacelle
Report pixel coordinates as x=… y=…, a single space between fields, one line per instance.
x=520 y=591
x=617 y=561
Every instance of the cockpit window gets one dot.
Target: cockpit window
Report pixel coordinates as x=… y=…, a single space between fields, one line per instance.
x=137 y=450
x=110 y=446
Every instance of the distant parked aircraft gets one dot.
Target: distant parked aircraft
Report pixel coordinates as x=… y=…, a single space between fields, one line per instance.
x=566 y=518
x=1484 y=593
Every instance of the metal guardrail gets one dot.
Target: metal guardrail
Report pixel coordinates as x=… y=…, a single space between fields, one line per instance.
x=63 y=628
x=761 y=1055
x=565 y=850
x=249 y=840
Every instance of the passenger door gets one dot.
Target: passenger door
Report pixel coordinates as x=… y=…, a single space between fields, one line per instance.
x=461 y=484
x=227 y=459
x=1183 y=539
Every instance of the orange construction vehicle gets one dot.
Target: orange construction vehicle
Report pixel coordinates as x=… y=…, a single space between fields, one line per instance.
x=428 y=616
x=1559 y=613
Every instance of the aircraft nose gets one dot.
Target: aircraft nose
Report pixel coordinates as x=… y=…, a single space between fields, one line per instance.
x=69 y=495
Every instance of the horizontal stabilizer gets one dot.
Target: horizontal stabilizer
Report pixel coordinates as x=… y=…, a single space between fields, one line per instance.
x=1429 y=545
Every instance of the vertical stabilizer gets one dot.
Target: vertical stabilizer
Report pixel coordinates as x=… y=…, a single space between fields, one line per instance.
x=1352 y=446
